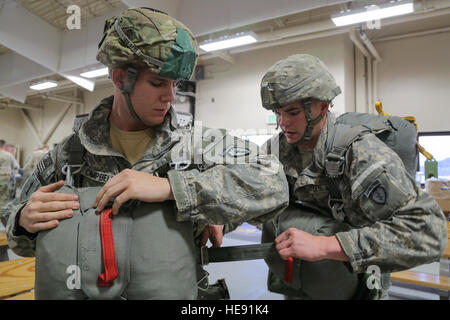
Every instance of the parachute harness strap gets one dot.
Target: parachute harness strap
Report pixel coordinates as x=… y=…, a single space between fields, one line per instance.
x=109 y=256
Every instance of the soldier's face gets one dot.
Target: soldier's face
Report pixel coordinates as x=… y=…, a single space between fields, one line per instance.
x=292 y=120
x=152 y=97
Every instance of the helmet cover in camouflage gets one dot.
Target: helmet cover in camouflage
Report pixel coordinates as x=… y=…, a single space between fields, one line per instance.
x=144 y=38
x=296 y=78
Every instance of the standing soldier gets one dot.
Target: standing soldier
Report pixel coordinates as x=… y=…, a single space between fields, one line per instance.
x=7 y=168
x=372 y=214
x=131 y=146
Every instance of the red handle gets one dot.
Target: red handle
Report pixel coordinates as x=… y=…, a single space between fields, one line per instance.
x=288 y=273
x=109 y=255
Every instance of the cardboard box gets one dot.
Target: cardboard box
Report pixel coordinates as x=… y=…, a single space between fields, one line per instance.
x=440 y=190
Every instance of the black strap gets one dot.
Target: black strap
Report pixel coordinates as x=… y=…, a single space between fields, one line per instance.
x=235 y=253
x=75 y=161
x=76 y=150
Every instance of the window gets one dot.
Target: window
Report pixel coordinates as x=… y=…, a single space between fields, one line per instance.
x=438 y=144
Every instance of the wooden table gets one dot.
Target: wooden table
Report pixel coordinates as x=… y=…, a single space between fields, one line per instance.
x=16 y=277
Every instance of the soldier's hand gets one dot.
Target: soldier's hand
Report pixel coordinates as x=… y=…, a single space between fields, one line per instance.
x=299 y=244
x=45 y=207
x=214 y=233
x=302 y=245
x=132 y=184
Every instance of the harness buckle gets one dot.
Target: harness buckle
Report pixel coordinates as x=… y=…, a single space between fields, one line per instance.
x=334 y=165
x=67 y=171
x=204 y=260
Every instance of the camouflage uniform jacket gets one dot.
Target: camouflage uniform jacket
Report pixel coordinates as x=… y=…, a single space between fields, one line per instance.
x=7 y=166
x=206 y=190
x=407 y=230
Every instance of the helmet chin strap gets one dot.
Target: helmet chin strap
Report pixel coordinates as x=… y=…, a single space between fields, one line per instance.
x=310 y=123
x=127 y=89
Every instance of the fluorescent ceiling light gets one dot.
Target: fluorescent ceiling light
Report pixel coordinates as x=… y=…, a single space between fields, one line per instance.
x=228 y=43
x=43 y=85
x=374 y=13
x=95 y=73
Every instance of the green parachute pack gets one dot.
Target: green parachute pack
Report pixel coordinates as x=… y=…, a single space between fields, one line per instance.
x=83 y=269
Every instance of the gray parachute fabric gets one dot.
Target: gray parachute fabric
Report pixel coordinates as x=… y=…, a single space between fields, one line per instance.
x=397 y=133
x=321 y=280
x=155 y=254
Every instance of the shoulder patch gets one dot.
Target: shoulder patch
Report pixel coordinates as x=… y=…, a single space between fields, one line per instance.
x=377 y=192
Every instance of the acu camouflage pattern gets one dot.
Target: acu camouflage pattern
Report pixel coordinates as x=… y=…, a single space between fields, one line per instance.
x=6 y=170
x=408 y=230
x=154 y=33
x=298 y=77
x=211 y=191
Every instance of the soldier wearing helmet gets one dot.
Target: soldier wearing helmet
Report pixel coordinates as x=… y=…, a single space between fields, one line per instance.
x=128 y=143
x=375 y=206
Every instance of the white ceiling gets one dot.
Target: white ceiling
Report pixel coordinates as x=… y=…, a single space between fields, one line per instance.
x=35 y=42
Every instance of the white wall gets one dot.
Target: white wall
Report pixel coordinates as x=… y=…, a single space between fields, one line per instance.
x=235 y=88
x=414 y=79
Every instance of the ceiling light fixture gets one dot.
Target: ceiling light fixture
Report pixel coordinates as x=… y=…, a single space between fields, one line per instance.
x=95 y=73
x=374 y=13
x=236 y=40
x=43 y=85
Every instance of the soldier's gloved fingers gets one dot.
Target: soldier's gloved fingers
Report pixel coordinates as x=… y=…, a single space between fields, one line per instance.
x=52 y=187
x=120 y=199
x=58 y=205
x=107 y=194
x=54 y=196
x=40 y=226
x=53 y=215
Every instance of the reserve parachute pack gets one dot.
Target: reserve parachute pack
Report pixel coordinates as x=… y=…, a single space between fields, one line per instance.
x=98 y=259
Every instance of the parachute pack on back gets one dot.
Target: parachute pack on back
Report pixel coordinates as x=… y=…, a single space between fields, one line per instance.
x=397 y=133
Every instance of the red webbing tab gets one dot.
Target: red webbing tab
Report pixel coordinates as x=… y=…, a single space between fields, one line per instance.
x=288 y=273
x=109 y=255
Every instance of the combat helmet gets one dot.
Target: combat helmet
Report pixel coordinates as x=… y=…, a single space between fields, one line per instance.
x=147 y=38
x=300 y=77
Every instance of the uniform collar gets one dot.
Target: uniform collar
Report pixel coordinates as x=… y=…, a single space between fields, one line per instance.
x=322 y=143
x=94 y=133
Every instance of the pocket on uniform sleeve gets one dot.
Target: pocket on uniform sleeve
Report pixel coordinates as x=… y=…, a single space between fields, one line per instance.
x=381 y=196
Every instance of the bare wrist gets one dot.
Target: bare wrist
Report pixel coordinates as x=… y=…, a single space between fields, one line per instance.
x=332 y=249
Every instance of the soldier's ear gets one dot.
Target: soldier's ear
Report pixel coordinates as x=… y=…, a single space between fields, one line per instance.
x=118 y=77
x=324 y=107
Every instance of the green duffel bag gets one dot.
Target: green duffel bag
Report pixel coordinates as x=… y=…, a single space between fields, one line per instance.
x=326 y=279
x=154 y=253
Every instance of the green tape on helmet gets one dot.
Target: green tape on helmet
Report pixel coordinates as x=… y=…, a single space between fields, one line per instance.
x=181 y=60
